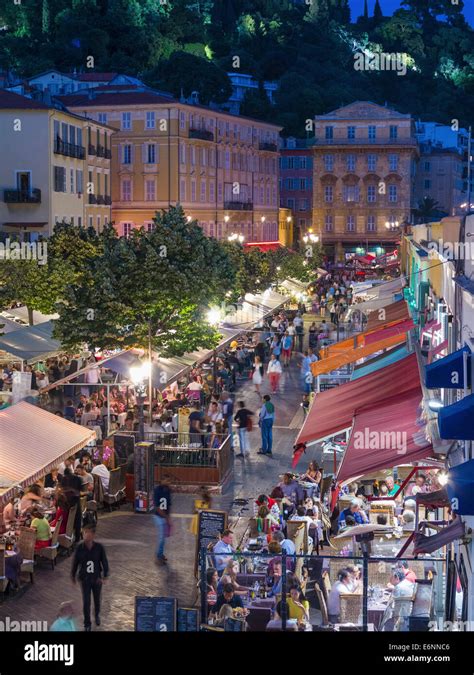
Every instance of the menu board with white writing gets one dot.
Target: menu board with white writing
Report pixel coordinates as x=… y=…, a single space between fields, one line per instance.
x=155 y=614
x=188 y=620
x=210 y=526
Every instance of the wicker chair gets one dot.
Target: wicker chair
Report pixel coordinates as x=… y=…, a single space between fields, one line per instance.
x=50 y=552
x=322 y=605
x=326 y=585
x=66 y=540
x=351 y=608
x=26 y=545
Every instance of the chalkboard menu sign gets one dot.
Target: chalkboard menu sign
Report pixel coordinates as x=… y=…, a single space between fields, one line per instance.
x=144 y=477
x=155 y=614
x=210 y=525
x=188 y=620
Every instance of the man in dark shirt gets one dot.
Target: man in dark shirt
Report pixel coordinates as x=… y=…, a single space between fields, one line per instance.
x=227 y=597
x=91 y=562
x=71 y=485
x=243 y=418
x=162 y=502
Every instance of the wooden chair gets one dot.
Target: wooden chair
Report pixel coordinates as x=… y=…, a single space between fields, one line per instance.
x=115 y=493
x=351 y=608
x=326 y=585
x=26 y=546
x=50 y=552
x=3 y=578
x=66 y=540
x=322 y=605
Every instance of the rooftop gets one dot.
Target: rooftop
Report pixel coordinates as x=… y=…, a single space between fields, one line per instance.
x=9 y=100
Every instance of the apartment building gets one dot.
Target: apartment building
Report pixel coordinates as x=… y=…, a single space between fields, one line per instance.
x=296 y=182
x=222 y=169
x=364 y=159
x=45 y=168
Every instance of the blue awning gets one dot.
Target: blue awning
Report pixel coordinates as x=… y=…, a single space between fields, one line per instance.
x=381 y=361
x=456 y=421
x=448 y=372
x=460 y=488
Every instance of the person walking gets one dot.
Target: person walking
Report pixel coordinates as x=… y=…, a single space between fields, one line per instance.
x=243 y=418
x=274 y=371
x=265 y=421
x=257 y=376
x=228 y=413
x=287 y=344
x=306 y=374
x=162 y=502
x=91 y=566
x=299 y=326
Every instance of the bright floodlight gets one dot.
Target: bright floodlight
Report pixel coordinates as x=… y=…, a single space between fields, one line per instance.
x=140 y=372
x=443 y=478
x=435 y=404
x=213 y=316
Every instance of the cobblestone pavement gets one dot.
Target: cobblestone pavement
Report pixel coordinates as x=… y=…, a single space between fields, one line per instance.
x=129 y=538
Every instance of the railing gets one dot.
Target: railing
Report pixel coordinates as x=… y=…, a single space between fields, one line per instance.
x=366 y=141
x=108 y=153
x=238 y=206
x=100 y=199
x=69 y=149
x=91 y=150
x=92 y=199
x=100 y=151
x=272 y=147
x=22 y=196
x=107 y=200
x=203 y=134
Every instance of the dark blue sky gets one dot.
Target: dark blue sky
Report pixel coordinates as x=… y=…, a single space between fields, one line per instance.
x=389 y=6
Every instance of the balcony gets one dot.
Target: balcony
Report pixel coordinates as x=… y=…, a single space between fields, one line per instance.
x=91 y=150
x=69 y=149
x=22 y=196
x=92 y=199
x=100 y=199
x=411 y=142
x=107 y=200
x=108 y=153
x=100 y=151
x=270 y=147
x=202 y=134
x=238 y=206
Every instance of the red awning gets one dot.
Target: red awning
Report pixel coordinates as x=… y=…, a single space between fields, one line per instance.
x=424 y=544
x=438 y=499
x=385 y=435
x=397 y=311
x=264 y=245
x=389 y=331
x=333 y=410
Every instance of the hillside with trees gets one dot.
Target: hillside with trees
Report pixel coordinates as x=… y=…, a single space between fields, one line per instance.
x=187 y=45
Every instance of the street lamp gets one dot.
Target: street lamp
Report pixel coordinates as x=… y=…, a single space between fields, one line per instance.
x=188 y=218
x=139 y=373
x=236 y=237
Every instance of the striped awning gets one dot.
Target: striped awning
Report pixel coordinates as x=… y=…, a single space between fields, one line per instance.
x=32 y=442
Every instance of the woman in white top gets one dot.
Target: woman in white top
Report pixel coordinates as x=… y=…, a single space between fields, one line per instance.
x=274 y=371
x=257 y=376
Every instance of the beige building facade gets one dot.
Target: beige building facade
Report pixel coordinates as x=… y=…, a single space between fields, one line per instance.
x=222 y=169
x=44 y=169
x=363 y=171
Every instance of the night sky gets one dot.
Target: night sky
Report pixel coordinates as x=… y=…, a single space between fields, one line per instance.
x=389 y=6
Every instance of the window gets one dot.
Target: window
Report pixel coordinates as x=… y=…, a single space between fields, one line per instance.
x=59 y=179
x=106 y=184
x=126 y=190
x=393 y=132
x=102 y=117
x=98 y=223
x=182 y=148
x=219 y=191
x=127 y=154
x=126 y=120
x=203 y=156
x=79 y=181
x=212 y=191
x=193 y=155
x=329 y=133
x=91 y=221
x=79 y=221
x=328 y=222
x=427 y=167
x=371 y=194
x=303 y=183
x=291 y=162
x=79 y=136
x=350 y=162
x=72 y=135
x=350 y=193
x=211 y=229
x=150 y=120
x=126 y=229
x=371 y=162
x=302 y=222
x=203 y=190
x=350 y=224
x=351 y=133
x=328 y=193
x=149 y=226
x=182 y=190
x=290 y=203
x=372 y=132
x=393 y=162
x=227 y=159
x=427 y=184
x=71 y=180
x=150 y=153
x=182 y=120
x=193 y=190
x=303 y=206
x=371 y=227
x=57 y=133
x=328 y=162
x=392 y=193
x=303 y=163
x=150 y=190
x=72 y=220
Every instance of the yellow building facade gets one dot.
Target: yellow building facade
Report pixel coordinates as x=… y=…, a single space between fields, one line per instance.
x=222 y=169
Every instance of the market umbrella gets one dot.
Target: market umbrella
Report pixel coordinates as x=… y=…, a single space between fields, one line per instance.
x=363 y=529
